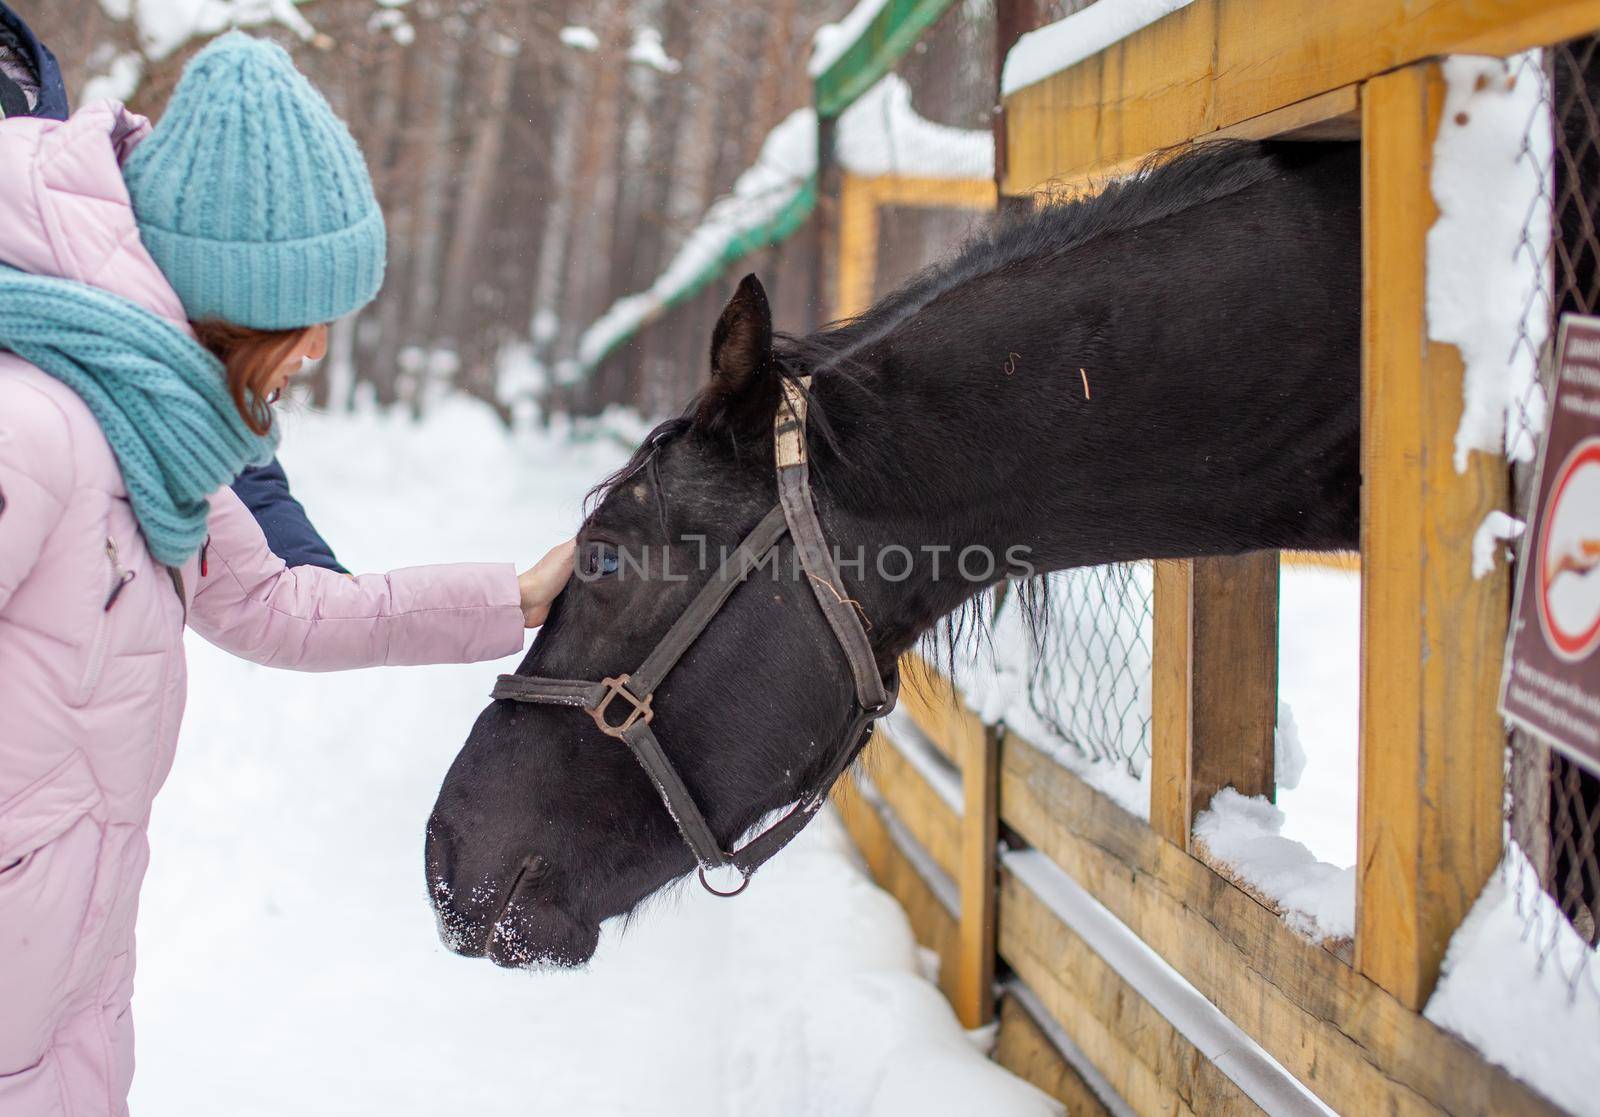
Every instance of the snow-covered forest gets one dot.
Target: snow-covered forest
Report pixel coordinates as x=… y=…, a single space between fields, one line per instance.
x=536 y=159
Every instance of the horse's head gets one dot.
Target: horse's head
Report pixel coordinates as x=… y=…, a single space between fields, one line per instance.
x=545 y=826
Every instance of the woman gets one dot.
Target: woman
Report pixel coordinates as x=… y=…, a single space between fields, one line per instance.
x=31 y=85
x=245 y=220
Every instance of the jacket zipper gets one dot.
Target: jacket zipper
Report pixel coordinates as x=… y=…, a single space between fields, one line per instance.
x=102 y=633
x=119 y=577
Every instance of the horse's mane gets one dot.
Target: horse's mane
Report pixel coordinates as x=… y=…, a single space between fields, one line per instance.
x=1162 y=186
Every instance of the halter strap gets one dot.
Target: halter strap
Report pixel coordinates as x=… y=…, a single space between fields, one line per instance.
x=794 y=493
x=734 y=569
x=604 y=701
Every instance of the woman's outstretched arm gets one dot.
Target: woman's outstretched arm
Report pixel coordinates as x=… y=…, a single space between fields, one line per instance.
x=248 y=602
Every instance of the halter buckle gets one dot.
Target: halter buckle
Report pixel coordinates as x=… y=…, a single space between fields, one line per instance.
x=617 y=685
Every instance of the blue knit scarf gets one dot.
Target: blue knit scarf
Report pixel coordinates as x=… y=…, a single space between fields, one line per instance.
x=160 y=397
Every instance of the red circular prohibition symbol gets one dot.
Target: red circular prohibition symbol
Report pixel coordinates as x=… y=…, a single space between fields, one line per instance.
x=1571 y=646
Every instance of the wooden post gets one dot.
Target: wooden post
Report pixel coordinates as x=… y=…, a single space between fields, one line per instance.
x=977 y=880
x=927 y=697
x=1214 y=685
x=1012 y=20
x=824 y=226
x=1432 y=744
x=856 y=270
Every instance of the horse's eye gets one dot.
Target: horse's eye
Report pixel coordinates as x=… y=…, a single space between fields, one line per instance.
x=598 y=560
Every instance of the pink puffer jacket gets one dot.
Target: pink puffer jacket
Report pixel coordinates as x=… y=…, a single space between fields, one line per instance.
x=91 y=649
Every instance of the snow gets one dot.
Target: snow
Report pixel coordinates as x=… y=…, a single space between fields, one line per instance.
x=1497 y=528
x=1501 y=991
x=1319 y=680
x=1489 y=250
x=289 y=961
x=647 y=50
x=1288 y=754
x=1244 y=834
x=579 y=38
x=166 y=25
x=833 y=39
x=882 y=134
x=119 y=81
x=1063 y=44
x=395 y=22
x=786 y=164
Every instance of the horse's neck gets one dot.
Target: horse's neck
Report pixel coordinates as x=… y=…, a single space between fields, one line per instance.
x=1074 y=425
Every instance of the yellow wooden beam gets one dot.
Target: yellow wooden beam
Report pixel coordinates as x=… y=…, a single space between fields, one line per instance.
x=1334 y=115
x=975 y=879
x=861 y=197
x=1432 y=743
x=1216 y=63
x=857 y=247
x=929 y=192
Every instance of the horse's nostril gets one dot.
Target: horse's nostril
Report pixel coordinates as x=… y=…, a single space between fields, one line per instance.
x=527 y=879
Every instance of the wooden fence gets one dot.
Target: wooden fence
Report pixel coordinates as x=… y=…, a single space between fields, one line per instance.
x=1234 y=1012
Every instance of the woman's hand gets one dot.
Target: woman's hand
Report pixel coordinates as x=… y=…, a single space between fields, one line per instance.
x=543 y=581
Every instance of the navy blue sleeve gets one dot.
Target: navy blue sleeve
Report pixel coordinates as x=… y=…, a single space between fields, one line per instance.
x=52 y=90
x=265 y=491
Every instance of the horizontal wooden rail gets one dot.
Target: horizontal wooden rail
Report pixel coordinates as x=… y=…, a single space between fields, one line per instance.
x=1034 y=1046
x=1142 y=1054
x=919 y=806
x=1351 y=1043
x=1218 y=63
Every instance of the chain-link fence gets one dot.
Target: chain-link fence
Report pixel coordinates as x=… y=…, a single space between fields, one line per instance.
x=1554 y=802
x=1089 y=683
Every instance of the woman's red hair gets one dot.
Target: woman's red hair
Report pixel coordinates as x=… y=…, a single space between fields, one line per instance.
x=251 y=357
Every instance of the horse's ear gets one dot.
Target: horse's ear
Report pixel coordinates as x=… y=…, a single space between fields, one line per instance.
x=741 y=356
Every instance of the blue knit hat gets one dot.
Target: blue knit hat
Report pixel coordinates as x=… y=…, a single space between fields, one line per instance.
x=253 y=197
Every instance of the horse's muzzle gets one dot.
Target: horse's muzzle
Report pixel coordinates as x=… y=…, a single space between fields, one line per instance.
x=501 y=916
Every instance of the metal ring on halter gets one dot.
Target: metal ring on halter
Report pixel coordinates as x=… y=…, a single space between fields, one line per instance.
x=744 y=882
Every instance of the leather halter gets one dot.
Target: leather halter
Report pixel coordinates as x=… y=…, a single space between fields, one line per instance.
x=621 y=705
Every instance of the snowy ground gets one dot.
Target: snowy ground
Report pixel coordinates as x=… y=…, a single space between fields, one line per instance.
x=288 y=958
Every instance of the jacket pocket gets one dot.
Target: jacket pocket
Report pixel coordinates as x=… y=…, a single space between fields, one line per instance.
x=50 y=845
x=116 y=581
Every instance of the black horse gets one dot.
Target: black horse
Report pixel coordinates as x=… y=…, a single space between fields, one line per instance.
x=1170 y=368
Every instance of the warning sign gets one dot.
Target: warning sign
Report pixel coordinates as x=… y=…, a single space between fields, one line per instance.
x=1552 y=679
